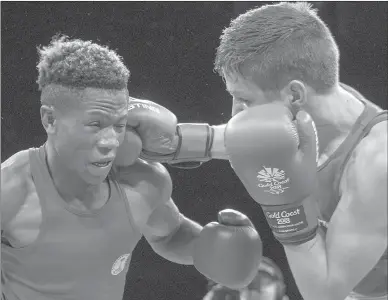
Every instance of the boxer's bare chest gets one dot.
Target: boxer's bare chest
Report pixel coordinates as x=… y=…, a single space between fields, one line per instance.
x=24 y=228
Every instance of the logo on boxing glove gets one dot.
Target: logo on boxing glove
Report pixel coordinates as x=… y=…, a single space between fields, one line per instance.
x=283 y=217
x=287 y=220
x=274 y=180
x=143 y=105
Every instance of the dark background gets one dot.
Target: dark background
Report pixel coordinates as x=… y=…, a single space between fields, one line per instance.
x=169 y=48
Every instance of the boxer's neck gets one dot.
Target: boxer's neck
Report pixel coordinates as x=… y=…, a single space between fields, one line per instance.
x=334 y=115
x=68 y=184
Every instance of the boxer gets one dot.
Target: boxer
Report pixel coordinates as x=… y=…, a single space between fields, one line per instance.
x=329 y=211
x=70 y=221
x=327 y=205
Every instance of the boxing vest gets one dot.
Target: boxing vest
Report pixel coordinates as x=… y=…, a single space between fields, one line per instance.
x=328 y=191
x=77 y=255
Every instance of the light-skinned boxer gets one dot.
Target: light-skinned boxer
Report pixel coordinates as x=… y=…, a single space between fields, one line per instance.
x=280 y=63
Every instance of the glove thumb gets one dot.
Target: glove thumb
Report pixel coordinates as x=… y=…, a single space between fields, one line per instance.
x=308 y=137
x=231 y=217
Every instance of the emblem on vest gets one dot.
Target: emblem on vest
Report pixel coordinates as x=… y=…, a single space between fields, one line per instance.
x=120 y=263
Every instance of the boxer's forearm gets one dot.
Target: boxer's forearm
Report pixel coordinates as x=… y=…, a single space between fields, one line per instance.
x=218 y=150
x=309 y=265
x=179 y=246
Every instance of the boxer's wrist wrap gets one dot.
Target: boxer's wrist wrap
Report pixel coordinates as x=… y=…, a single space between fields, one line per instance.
x=293 y=224
x=194 y=147
x=195 y=143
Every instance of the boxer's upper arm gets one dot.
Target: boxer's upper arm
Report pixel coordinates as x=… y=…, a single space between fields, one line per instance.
x=164 y=218
x=357 y=235
x=163 y=222
x=157 y=214
x=13 y=186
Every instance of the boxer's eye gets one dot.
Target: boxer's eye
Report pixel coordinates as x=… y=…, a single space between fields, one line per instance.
x=120 y=127
x=95 y=124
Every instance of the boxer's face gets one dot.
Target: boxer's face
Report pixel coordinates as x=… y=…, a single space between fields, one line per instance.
x=89 y=132
x=246 y=93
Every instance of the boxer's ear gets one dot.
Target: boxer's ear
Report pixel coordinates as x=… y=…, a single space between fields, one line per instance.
x=47 y=114
x=296 y=93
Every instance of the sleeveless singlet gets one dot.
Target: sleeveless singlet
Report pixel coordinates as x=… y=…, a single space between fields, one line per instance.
x=329 y=176
x=77 y=255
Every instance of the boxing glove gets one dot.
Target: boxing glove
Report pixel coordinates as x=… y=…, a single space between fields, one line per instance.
x=163 y=140
x=129 y=150
x=275 y=158
x=228 y=252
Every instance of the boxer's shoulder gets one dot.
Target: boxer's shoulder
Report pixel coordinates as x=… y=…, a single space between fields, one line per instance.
x=367 y=166
x=147 y=186
x=152 y=175
x=15 y=184
x=372 y=150
x=377 y=134
x=148 y=179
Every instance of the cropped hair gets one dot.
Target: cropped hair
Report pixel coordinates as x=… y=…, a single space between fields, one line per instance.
x=80 y=64
x=279 y=43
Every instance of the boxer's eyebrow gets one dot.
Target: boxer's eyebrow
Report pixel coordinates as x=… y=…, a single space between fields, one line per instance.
x=119 y=117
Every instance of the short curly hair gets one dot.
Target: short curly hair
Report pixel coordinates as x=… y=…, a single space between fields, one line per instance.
x=278 y=43
x=80 y=64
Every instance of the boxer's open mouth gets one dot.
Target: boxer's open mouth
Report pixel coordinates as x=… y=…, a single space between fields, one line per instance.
x=102 y=164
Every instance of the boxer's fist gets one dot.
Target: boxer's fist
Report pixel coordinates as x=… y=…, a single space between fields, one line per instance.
x=150 y=132
x=275 y=157
x=129 y=150
x=184 y=145
x=155 y=124
x=229 y=252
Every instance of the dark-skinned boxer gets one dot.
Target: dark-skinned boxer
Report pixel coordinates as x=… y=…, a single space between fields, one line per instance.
x=70 y=220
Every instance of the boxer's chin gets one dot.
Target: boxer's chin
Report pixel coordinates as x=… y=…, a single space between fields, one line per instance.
x=129 y=150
